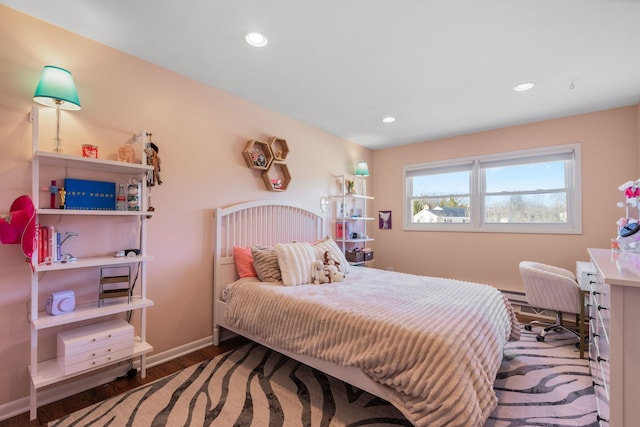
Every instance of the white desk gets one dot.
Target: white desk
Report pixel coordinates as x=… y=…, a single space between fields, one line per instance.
x=614 y=352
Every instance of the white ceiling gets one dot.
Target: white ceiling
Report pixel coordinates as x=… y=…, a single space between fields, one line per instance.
x=442 y=67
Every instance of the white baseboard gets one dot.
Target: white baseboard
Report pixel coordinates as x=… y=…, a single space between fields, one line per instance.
x=54 y=393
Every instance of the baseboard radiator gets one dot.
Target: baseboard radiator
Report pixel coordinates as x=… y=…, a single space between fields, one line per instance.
x=519 y=303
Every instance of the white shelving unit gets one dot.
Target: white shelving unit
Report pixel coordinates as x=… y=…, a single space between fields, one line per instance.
x=47 y=372
x=351 y=215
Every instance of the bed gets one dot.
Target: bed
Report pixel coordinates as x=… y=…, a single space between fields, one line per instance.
x=430 y=346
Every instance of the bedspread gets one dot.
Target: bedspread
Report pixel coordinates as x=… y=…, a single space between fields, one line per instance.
x=435 y=344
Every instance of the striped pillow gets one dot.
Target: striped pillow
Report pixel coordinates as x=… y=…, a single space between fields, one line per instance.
x=296 y=261
x=265 y=261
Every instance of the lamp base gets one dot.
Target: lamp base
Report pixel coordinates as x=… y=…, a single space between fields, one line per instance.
x=58 y=147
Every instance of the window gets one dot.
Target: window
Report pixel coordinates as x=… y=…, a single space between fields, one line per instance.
x=532 y=191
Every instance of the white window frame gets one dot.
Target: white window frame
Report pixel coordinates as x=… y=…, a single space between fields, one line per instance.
x=573 y=179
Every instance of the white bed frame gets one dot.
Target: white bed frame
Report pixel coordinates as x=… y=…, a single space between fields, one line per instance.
x=267 y=223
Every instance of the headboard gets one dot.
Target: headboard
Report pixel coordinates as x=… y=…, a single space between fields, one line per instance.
x=264 y=222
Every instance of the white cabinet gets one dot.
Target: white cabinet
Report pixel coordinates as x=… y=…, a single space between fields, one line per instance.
x=50 y=368
x=614 y=348
x=351 y=218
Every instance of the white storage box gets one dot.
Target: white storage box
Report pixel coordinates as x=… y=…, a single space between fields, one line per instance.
x=94 y=345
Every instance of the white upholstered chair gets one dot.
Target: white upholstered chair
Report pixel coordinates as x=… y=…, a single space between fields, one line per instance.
x=550 y=288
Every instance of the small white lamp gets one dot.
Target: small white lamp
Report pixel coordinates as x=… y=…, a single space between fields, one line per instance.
x=56 y=89
x=362 y=168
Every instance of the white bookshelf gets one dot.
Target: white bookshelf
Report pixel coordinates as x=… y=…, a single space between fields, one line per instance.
x=48 y=372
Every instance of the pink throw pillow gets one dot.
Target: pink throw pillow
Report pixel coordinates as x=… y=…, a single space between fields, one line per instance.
x=244 y=262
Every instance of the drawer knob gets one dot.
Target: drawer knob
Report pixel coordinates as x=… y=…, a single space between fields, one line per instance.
x=602 y=308
x=595 y=384
x=595 y=293
x=599 y=418
x=600 y=359
x=94 y=340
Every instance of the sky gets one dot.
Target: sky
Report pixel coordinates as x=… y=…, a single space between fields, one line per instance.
x=528 y=177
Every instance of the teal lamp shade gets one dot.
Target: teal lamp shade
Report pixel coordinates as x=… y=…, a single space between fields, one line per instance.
x=56 y=89
x=362 y=169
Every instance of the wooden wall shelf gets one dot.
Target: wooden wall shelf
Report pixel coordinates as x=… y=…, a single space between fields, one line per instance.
x=258 y=155
x=277 y=178
x=269 y=157
x=279 y=148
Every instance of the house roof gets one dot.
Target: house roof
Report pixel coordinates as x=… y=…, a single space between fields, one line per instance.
x=442 y=212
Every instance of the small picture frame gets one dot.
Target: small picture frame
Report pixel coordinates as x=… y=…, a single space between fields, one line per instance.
x=384 y=220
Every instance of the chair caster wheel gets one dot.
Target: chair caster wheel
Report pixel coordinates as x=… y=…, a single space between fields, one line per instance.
x=527 y=327
x=539 y=338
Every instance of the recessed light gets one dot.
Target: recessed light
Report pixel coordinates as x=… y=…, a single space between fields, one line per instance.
x=388 y=119
x=256 y=39
x=524 y=86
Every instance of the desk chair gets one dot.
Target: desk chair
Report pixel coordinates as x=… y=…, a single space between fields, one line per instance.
x=550 y=288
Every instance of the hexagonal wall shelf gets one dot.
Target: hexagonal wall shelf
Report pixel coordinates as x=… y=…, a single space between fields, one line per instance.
x=279 y=148
x=258 y=155
x=277 y=178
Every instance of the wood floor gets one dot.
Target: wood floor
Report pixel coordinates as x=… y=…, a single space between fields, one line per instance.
x=76 y=402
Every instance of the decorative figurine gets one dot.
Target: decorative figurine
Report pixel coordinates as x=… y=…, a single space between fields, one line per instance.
x=153 y=160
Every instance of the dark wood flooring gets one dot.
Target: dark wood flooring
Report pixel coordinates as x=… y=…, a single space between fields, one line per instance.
x=78 y=401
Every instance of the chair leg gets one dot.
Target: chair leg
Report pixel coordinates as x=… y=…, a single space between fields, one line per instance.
x=556 y=326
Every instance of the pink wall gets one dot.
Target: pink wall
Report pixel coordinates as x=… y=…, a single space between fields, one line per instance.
x=201 y=132
x=609 y=141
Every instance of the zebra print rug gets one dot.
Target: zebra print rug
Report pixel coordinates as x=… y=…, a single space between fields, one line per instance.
x=539 y=384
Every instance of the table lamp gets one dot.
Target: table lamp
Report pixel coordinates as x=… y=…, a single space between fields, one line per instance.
x=56 y=89
x=362 y=168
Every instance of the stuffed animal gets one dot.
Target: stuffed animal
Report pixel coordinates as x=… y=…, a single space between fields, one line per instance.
x=330 y=260
x=318 y=274
x=326 y=272
x=334 y=274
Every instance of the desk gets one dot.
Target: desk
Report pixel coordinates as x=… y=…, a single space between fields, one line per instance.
x=614 y=345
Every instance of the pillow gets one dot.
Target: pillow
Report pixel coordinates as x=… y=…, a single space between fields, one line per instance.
x=265 y=262
x=296 y=261
x=244 y=262
x=328 y=244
